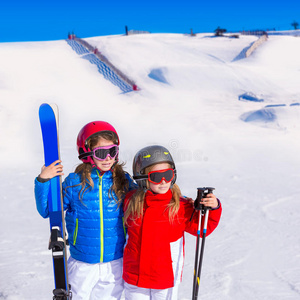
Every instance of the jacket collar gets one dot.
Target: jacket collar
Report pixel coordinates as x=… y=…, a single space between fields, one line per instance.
x=96 y=172
x=153 y=199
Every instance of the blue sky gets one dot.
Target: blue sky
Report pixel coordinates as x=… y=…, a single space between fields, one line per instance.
x=52 y=20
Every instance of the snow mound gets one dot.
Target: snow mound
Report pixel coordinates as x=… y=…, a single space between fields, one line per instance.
x=280 y=115
x=158 y=75
x=250 y=97
x=262 y=115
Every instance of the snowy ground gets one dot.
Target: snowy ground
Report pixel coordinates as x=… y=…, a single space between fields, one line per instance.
x=188 y=102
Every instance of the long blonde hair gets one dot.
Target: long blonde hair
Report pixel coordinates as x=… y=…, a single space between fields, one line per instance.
x=135 y=206
x=120 y=183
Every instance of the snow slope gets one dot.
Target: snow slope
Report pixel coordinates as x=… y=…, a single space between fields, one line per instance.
x=188 y=102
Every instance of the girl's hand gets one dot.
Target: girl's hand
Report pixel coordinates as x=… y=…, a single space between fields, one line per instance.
x=210 y=201
x=52 y=170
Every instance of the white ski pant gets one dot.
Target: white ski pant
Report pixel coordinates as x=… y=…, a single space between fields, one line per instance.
x=133 y=292
x=96 y=281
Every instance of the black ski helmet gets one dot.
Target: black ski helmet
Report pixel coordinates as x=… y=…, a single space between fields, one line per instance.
x=147 y=157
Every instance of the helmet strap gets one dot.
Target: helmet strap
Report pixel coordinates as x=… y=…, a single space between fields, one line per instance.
x=85 y=155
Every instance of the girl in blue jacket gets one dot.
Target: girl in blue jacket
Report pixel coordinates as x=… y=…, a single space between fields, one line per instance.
x=93 y=197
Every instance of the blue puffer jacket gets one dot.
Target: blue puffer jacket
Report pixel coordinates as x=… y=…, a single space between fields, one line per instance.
x=95 y=223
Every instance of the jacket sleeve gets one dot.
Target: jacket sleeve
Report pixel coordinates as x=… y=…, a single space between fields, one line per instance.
x=41 y=191
x=214 y=216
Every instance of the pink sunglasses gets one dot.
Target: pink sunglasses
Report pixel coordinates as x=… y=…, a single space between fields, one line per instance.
x=101 y=153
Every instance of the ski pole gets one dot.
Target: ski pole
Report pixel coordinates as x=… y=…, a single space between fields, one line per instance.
x=202 y=193
x=201 y=253
x=198 y=207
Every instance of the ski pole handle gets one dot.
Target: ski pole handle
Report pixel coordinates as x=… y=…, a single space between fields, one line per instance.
x=202 y=193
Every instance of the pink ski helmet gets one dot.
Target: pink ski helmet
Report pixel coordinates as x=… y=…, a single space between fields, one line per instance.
x=88 y=131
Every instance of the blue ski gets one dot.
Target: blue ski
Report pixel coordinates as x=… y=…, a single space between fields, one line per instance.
x=49 y=125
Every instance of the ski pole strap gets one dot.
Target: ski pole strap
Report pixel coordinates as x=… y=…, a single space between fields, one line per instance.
x=192 y=215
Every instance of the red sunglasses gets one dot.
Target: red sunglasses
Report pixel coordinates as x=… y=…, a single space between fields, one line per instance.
x=157 y=177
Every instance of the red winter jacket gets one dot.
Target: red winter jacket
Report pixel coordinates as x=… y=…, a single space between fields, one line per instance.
x=154 y=251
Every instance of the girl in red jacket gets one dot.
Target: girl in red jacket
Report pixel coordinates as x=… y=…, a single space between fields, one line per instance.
x=156 y=217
